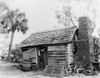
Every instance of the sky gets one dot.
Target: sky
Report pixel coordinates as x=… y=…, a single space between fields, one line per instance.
x=41 y=13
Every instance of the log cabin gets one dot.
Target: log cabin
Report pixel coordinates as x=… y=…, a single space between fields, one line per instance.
x=51 y=47
x=59 y=47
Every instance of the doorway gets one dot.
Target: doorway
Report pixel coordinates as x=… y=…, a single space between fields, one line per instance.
x=42 y=57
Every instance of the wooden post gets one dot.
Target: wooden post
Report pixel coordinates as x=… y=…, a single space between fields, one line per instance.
x=70 y=56
x=66 y=51
x=36 y=50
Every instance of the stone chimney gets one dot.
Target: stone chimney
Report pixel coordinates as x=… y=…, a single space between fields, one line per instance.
x=84 y=41
x=83 y=28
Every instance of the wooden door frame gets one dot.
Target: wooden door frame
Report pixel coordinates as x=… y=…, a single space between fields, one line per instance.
x=39 y=50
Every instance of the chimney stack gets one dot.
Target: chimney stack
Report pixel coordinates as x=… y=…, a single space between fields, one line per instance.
x=84 y=43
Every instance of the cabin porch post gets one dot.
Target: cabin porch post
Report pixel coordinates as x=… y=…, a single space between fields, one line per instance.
x=70 y=59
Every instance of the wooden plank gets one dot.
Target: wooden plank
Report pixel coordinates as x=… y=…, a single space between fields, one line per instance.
x=60 y=62
x=56 y=61
x=57 y=47
x=52 y=61
x=56 y=55
x=99 y=58
x=58 y=70
x=33 y=60
x=61 y=59
x=33 y=53
x=48 y=70
x=70 y=58
x=56 y=52
x=54 y=70
x=66 y=54
x=26 y=56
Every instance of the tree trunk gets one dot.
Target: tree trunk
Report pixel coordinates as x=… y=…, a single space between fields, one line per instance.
x=10 y=46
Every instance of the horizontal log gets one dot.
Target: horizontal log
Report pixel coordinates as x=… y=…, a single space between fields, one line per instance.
x=57 y=56
x=56 y=53
x=32 y=49
x=61 y=63
x=32 y=55
x=33 y=60
x=26 y=51
x=26 y=57
x=62 y=51
x=60 y=59
x=58 y=47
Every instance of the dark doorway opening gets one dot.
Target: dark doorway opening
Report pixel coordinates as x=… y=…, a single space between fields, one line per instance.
x=42 y=57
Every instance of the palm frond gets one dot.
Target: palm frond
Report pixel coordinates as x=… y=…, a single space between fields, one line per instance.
x=20 y=17
x=9 y=30
x=23 y=26
x=14 y=20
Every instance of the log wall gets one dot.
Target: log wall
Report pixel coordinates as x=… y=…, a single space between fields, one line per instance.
x=56 y=54
x=30 y=55
x=61 y=54
x=26 y=55
x=33 y=55
x=70 y=58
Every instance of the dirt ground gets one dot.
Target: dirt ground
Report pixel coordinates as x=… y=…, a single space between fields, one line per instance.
x=9 y=70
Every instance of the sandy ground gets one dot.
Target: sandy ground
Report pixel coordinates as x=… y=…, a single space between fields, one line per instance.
x=8 y=70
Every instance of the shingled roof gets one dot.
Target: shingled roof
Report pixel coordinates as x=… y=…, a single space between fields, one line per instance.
x=50 y=37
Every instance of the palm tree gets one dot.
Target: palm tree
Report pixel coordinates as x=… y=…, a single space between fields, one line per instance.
x=14 y=21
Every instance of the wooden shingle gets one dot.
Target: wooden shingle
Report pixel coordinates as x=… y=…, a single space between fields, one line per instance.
x=50 y=37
